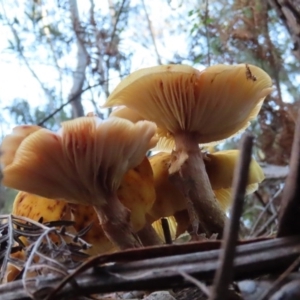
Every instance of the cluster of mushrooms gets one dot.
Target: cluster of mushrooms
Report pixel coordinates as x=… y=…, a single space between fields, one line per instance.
x=97 y=171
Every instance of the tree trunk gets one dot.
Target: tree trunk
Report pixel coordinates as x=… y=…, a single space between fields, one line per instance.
x=82 y=62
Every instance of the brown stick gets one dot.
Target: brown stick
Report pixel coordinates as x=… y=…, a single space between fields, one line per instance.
x=252 y=260
x=188 y=173
x=166 y=229
x=115 y=221
x=224 y=274
x=269 y=292
x=289 y=217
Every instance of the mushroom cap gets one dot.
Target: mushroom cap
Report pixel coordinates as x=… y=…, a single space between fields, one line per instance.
x=34 y=207
x=168 y=198
x=81 y=163
x=213 y=104
x=126 y=113
x=137 y=192
x=13 y=141
x=220 y=168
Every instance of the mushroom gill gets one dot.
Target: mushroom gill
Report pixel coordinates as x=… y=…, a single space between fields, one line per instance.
x=83 y=163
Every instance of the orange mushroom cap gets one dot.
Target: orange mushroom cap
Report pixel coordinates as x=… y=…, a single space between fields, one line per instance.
x=126 y=113
x=213 y=104
x=12 y=142
x=82 y=162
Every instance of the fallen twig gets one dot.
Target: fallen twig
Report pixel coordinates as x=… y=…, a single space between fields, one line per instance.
x=289 y=220
x=225 y=272
x=280 y=280
x=157 y=268
x=166 y=229
x=196 y=282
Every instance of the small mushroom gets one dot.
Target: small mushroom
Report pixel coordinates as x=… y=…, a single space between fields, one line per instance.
x=36 y=207
x=219 y=167
x=83 y=163
x=195 y=108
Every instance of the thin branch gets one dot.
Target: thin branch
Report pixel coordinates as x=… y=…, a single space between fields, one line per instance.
x=289 y=220
x=49 y=41
x=140 y=269
x=206 y=18
x=116 y=20
x=225 y=272
x=261 y=201
x=151 y=33
x=269 y=292
x=116 y=23
x=9 y=247
x=82 y=61
x=99 y=43
x=263 y=228
x=266 y=209
x=196 y=282
x=74 y=97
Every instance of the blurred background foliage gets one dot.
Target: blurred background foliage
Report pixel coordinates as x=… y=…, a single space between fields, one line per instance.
x=71 y=54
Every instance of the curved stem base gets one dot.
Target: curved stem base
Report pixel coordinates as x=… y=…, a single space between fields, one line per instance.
x=115 y=221
x=148 y=236
x=188 y=173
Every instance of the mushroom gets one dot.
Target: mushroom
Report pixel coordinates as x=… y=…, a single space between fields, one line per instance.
x=136 y=192
x=36 y=207
x=195 y=108
x=13 y=141
x=219 y=167
x=83 y=163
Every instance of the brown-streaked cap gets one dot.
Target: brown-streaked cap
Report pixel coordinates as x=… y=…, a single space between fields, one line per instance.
x=35 y=207
x=85 y=160
x=220 y=168
x=213 y=104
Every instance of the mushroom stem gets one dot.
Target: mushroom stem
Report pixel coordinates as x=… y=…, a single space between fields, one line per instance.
x=115 y=221
x=148 y=236
x=187 y=171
